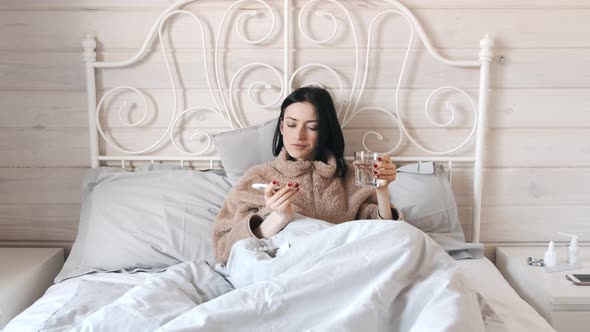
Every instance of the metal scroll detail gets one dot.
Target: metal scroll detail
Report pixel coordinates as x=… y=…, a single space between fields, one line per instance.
x=351 y=109
x=221 y=90
x=225 y=107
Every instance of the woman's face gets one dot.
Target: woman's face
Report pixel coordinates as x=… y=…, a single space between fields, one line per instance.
x=300 y=131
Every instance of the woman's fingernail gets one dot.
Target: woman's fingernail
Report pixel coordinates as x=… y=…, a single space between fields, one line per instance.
x=380 y=159
x=375 y=166
x=375 y=172
x=290 y=184
x=274 y=182
x=296 y=185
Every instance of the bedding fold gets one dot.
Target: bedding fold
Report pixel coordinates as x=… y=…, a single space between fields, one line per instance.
x=369 y=275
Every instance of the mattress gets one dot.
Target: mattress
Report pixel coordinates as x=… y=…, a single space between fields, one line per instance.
x=511 y=312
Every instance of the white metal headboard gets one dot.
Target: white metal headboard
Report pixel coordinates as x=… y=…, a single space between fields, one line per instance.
x=348 y=106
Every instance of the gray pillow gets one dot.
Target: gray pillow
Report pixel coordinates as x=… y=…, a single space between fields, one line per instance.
x=144 y=220
x=243 y=148
x=427 y=202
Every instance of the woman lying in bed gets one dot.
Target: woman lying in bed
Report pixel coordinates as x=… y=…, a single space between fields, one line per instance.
x=310 y=177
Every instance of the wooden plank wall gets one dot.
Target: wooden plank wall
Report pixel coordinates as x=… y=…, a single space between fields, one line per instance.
x=538 y=158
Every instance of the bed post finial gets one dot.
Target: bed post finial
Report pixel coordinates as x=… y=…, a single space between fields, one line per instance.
x=89 y=44
x=486 y=44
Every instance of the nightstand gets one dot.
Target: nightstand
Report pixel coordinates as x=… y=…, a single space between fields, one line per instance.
x=25 y=274
x=565 y=306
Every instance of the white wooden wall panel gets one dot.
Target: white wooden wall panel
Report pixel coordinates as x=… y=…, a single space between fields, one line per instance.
x=34 y=185
x=53 y=148
x=538 y=156
x=42 y=109
x=31 y=222
x=498 y=224
x=83 y=5
x=459 y=28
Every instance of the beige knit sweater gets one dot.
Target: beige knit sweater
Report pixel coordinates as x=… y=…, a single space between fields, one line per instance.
x=322 y=195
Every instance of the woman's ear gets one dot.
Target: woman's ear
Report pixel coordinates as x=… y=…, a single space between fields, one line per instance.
x=281 y=126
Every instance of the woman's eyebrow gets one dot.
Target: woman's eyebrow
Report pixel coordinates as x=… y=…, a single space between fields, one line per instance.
x=291 y=118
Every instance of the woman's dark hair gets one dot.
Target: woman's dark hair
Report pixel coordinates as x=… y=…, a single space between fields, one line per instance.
x=331 y=138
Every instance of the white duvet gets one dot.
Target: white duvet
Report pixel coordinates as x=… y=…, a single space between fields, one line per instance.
x=366 y=275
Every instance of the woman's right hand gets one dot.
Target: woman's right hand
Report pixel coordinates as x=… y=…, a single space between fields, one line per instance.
x=280 y=201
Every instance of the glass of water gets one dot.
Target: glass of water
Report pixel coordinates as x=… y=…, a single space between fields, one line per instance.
x=363 y=168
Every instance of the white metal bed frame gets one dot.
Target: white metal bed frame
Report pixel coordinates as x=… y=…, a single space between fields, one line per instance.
x=226 y=110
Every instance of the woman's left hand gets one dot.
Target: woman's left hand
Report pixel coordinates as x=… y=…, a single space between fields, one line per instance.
x=385 y=170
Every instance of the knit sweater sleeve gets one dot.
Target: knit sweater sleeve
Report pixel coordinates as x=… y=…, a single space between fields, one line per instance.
x=371 y=211
x=242 y=211
x=368 y=209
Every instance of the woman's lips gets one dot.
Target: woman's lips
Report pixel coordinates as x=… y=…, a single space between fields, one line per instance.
x=299 y=146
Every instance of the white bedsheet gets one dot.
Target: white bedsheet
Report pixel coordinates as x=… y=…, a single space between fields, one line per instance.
x=514 y=313
x=58 y=295
x=506 y=311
